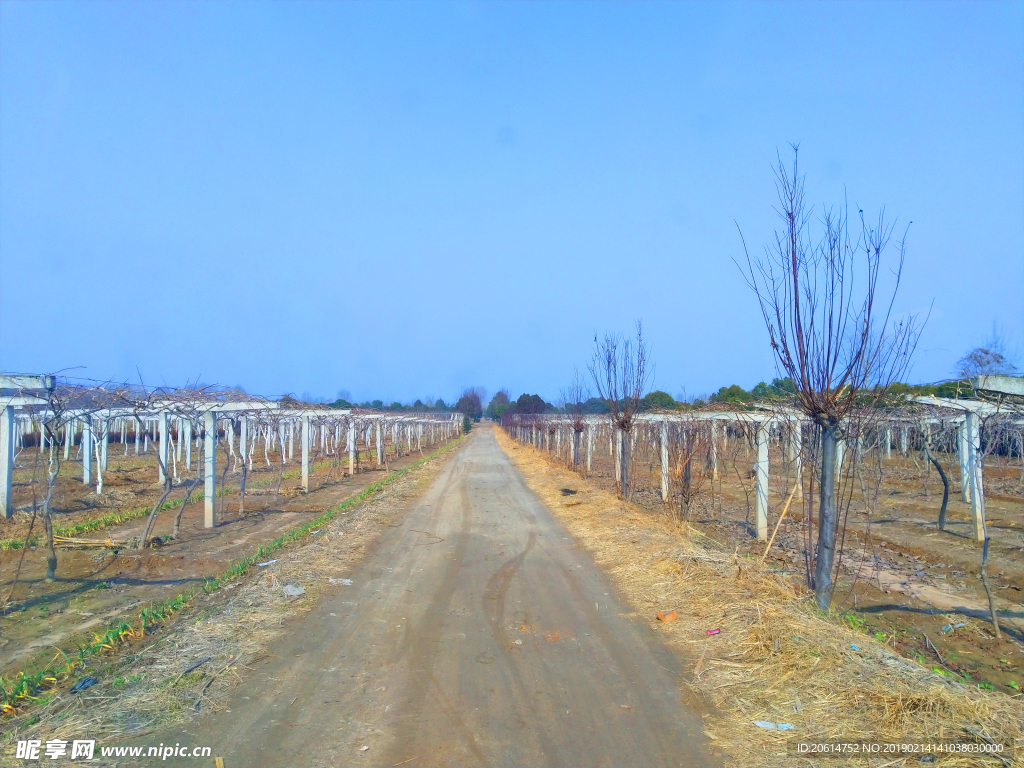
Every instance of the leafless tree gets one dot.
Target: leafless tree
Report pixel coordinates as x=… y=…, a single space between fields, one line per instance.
x=184 y=403
x=991 y=358
x=690 y=468
x=574 y=398
x=994 y=428
x=929 y=454
x=827 y=331
x=620 y=372
x=65 y=404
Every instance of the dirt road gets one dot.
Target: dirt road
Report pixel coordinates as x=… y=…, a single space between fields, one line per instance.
x=476 y=633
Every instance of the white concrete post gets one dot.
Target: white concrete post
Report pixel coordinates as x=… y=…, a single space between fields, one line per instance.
x=162 y=451
x=87 y=450
x=291 y=440
x=840 y=454
x=903 y=440
x=380 y=444
x=714 y=451
x=618 y=456
x=243 y=439
x=6 y=459
x=888 y=442
x=797 y=441
x=975 y=472
x=664 y=462
x=186 y=438
x=352 y=449
x=210 y=470
x=105 y=445
x=178 y=445
x=963 y=454
x=304 y=445
x=69 y=438
x=229 y=436
x=590 y=446
x=761 y=473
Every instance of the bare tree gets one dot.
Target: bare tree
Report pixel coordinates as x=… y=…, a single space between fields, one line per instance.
x=574 y=398
x=690 y=469
x=926 y=442
x=991 y=358
x=620 y=372
x=140 y=400
x=993 y=427
x=65 y=405
x=818 y=301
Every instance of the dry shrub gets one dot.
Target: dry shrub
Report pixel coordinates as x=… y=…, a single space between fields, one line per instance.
x=776 y=657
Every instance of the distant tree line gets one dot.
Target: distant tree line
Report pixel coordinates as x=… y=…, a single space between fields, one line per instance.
x=779 y=390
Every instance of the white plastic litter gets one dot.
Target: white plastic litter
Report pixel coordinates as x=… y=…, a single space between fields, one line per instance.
x=773 y=726
x=264 y=565
x=292 y=590
x=343 y=582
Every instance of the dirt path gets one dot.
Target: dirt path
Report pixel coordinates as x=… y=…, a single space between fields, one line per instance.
x=476 y=633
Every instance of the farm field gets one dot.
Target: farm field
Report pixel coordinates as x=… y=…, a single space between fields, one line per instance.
x=902 y=576
x=502 y=572
x=98 y=585
x=751 y=641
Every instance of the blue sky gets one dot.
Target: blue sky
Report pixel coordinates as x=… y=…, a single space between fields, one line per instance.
x=403 y=199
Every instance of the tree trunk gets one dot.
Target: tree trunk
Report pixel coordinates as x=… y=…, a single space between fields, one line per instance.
x=624 y=470
x=51 y=553
x=241 y=491
x=827 y=520
x=181 y=511
x=945 y=485
x=988 y=589
x=155 y=511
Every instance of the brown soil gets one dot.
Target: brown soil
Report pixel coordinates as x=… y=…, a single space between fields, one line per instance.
x=901 y=576
x=96 y=586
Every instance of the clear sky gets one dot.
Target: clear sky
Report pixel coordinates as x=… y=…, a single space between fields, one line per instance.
x=403 y=199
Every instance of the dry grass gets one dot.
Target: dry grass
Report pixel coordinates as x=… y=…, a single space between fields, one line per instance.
x=776 y=657
x=232 y=627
